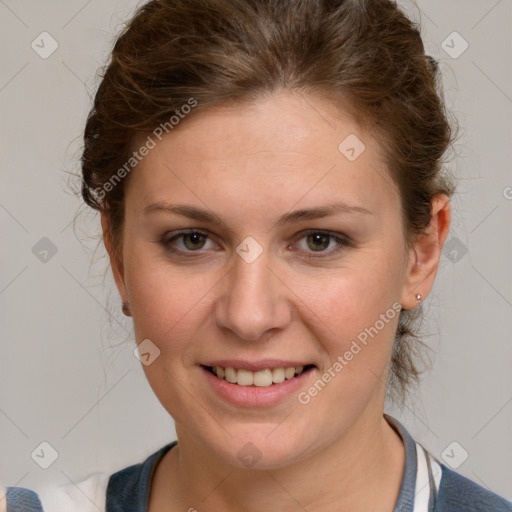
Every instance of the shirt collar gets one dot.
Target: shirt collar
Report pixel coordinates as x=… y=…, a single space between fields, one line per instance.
x=405 y=501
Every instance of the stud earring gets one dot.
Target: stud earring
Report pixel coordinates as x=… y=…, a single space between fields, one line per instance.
x=418 y=298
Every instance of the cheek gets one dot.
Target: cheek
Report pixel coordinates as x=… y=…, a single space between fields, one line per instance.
x=354 y=311
x=348 y=308
x=165 y=300
x=168 y=309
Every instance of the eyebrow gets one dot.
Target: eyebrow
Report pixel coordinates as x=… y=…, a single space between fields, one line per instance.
x=192 y=212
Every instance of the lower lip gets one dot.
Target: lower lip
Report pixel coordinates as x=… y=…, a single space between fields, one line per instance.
x=254 y=396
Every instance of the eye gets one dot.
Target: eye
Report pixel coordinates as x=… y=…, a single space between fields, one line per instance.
x=189 y=241
x=194 y=241
x=320 y=241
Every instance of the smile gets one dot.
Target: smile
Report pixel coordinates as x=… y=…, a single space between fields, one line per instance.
x=262 y=378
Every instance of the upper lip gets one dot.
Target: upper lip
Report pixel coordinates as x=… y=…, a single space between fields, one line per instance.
x=255 y=366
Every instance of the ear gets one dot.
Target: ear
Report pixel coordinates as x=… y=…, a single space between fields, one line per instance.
x=424 y=256
x=115 y=259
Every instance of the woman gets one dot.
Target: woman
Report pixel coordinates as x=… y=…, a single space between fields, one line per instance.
x=269 y=179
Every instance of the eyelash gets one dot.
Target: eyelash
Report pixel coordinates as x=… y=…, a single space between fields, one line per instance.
x=342 y=240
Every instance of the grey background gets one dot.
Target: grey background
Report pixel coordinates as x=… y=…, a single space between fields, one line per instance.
x=68 y=375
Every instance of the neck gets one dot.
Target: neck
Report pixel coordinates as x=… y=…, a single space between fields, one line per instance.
x=362 y=470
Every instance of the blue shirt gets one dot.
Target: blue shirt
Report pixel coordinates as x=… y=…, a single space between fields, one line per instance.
x=427 y=485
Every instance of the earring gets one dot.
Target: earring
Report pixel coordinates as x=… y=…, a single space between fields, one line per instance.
x=126 y=309
x=418 y=298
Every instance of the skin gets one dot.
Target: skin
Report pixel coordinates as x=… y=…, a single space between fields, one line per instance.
x=250 y=164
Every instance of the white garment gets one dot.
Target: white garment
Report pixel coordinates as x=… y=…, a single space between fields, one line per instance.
x=422 y=486
x=88 y=495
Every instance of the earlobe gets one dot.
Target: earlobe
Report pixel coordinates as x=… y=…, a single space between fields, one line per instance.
x=426 y=253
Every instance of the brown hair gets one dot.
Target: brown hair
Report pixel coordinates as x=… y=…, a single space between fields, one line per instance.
x=365 y=54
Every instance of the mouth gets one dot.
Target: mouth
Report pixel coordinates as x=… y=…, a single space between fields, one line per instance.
x=263 y=378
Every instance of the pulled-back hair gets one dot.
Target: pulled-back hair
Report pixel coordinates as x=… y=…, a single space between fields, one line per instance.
x=364 y=55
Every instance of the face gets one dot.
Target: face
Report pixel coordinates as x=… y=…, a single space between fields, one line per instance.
x=256 y=239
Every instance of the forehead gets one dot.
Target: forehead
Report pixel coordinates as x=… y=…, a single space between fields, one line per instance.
x=286 y=147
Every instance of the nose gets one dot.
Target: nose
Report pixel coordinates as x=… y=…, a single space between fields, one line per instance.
x=253 y=303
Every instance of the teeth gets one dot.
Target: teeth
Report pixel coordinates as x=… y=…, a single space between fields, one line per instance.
x=244 y=378
x=231 y=375
x=289 y=373
x=262 y=378
x=278 y=375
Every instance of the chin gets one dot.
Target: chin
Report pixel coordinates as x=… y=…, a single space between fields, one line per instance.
x=260 y=446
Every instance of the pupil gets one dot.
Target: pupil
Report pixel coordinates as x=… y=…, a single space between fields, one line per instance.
x=195 y=239
x=320 y=239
